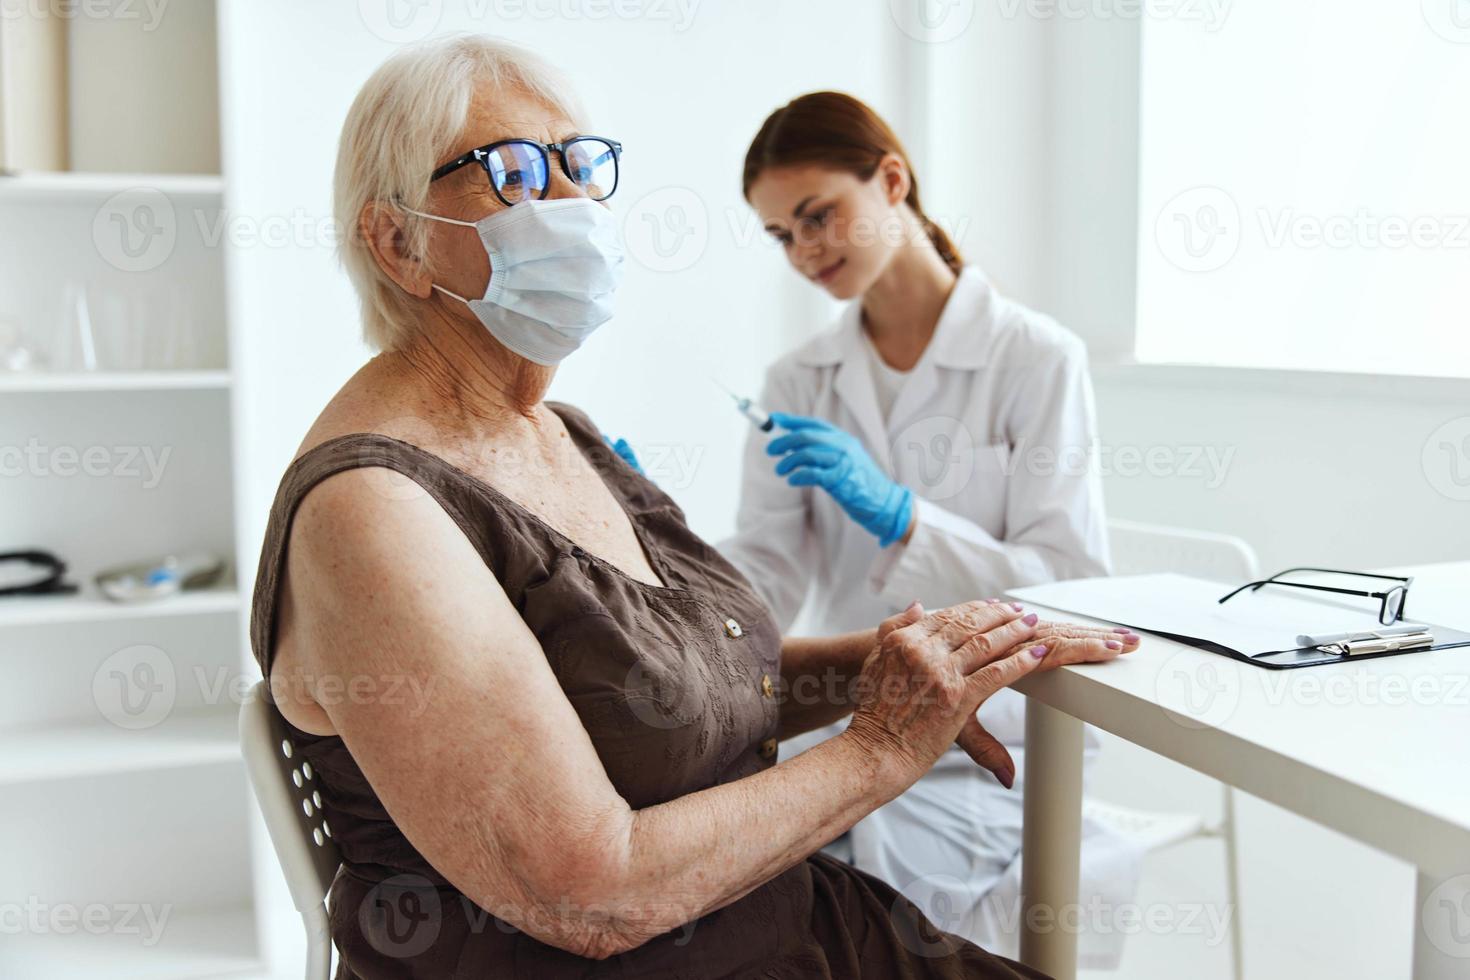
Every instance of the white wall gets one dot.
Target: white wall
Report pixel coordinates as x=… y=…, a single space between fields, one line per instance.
x=1342 y=470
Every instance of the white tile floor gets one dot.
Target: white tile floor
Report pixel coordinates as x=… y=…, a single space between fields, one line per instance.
x=1316 y=905
x=1182 y=878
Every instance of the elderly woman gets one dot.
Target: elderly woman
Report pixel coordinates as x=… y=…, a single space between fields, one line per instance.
x=542 y=714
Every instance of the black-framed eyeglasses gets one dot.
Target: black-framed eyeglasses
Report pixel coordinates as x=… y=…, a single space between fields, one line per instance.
x=520 y=169
x=33 y=573
x=1391 y=601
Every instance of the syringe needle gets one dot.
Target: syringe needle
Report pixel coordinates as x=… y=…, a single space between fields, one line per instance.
x=721 y=385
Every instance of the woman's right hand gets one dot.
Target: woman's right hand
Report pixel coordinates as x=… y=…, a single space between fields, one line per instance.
x=927 y=676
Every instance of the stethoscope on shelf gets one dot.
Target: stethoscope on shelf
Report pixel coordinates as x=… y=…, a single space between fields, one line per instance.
x=33 y=573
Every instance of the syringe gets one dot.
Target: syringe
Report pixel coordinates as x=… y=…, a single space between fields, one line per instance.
x=758 y=416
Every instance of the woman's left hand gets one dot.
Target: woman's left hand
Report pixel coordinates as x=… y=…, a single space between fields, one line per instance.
x=1072 y=643
x=1066 y=643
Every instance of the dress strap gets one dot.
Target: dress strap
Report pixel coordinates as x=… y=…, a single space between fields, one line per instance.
x=354 y=451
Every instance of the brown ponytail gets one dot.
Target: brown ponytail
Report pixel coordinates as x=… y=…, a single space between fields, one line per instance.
x=835 y=130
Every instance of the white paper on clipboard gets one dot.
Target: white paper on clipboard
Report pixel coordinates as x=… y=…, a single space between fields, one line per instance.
x=1263 y=621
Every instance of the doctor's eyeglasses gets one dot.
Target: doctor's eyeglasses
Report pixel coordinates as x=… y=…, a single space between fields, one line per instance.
x=1391 y=601
x=520 y=170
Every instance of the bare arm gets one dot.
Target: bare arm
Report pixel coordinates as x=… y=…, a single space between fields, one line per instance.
x=816 y=678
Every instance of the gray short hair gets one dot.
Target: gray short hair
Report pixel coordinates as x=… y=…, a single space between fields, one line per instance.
x=400 y=127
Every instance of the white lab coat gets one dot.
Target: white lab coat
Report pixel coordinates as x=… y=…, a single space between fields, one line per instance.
x=993 y=431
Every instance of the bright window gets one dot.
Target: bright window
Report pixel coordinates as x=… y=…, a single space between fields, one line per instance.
x=1304 y=187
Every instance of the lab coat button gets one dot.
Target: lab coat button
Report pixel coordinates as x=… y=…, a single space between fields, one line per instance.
x=768 y=749
x=767 y=688
x=733 y=628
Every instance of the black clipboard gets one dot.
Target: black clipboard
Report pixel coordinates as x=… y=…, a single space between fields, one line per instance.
x=1444 y=639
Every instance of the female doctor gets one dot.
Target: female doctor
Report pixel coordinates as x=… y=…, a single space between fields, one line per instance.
x=934 y=444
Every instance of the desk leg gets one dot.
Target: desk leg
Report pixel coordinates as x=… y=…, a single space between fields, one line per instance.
x=1441 y=927
x=1051 y=841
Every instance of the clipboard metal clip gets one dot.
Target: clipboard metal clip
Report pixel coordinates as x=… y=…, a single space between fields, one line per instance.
x=1378 y=643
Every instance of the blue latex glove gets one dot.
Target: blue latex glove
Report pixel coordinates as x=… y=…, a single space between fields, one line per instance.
x=818 y=453
x=625 y=451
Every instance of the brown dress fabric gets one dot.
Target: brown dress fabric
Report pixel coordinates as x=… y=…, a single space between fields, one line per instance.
x=669 y=682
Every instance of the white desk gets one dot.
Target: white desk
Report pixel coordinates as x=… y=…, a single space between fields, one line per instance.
x=1378 y=750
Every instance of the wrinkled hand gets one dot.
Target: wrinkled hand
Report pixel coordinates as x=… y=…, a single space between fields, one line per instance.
x=1073 y=643
x=1066 y=643
x=818 y=453
x=919 y=689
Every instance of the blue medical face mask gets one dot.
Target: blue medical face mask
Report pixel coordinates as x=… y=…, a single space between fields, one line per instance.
x=554 y=267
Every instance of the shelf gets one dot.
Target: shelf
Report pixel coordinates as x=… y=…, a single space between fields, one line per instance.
x=193 y=944
x=85 y=607
x=50 y=186
x=43 y=381
x=57 y=752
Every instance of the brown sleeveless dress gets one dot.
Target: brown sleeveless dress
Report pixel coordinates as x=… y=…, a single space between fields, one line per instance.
x=670 y=684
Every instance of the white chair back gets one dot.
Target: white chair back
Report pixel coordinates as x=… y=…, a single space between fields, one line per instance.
x=286 y=789
x=1140 y=549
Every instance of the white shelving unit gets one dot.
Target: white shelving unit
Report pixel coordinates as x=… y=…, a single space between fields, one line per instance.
x=87 y=607
x=73 y=381
x=27 y=186
x=59 y=752
x=152 y=820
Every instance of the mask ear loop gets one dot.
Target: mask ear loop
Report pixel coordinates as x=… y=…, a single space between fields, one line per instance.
x=446 y=292
x=448 y=221
x=437 y=217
